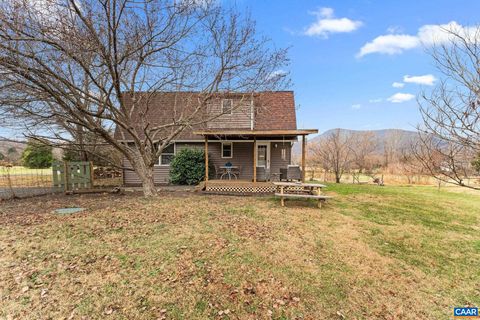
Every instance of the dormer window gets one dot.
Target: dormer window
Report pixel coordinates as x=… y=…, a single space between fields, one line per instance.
x=227 y=106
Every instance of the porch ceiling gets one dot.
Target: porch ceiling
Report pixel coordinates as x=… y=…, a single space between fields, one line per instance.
x=255 y=133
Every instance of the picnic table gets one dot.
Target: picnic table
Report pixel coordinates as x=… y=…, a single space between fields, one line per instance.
x=300 y=190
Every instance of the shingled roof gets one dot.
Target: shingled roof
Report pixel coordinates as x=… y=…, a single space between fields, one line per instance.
x=274 y=110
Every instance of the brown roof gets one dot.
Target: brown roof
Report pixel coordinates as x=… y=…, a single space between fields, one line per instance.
x=255 y=133
x=274 y=110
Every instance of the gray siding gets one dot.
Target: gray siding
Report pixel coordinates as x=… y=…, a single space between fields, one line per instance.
x=242 y=157
x=239 y=119
x=276 y=161
x=160 y=173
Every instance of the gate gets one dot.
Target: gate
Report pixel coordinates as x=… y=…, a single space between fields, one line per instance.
x=69 y=176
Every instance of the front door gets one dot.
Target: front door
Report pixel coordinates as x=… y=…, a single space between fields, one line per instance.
x=263 y=155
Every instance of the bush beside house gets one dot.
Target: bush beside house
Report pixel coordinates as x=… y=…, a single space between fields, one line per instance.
x=188 y=167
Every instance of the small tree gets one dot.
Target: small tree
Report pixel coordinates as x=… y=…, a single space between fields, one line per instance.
x=37 y=155
x=362 y=147
x=334 y=152
x=188 y=167
x=2 y=156
x=476 y=164
x=12 y=154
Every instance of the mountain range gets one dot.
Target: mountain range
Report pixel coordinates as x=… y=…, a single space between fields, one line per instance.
x=403 y=138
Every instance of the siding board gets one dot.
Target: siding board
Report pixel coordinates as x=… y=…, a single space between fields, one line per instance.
x=239 y=119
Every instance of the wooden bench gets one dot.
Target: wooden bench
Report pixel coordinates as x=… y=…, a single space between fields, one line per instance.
x=320 y=198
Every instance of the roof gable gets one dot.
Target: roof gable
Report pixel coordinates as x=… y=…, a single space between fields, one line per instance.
x=272 y=110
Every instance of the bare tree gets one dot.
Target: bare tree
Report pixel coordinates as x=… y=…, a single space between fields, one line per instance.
x=66 y=67
x=391 y=147
x=362 y=146
x=333 y=152
x=408 y=163
x=450 y=133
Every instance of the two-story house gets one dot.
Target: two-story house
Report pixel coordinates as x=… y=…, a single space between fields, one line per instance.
x=246 y=137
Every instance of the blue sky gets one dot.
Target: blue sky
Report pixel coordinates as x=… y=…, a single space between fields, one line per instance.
x=334 y=86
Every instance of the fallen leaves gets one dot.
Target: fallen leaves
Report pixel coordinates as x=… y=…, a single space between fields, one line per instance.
x=191 y=257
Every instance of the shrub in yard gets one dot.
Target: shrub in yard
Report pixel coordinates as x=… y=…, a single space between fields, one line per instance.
x=37 y=155
x=188 y=167
x=476 y=163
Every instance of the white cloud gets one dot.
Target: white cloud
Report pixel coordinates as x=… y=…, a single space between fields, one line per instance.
x=398 y=85
x=375 y=100
x=356 y=106
x=327 y=24
x=47 y=12
x=427 y=79
x=431 y=34
x=394 y=29
x=280 y=73
x=427 y=35
x=389 y=44
x=401 y=97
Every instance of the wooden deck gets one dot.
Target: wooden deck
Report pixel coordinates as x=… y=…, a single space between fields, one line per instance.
x=237 y=187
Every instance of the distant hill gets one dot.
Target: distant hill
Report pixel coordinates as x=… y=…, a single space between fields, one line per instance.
x=403 y=138
x=5 y=146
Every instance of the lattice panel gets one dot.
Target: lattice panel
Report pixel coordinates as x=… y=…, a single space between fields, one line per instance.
x=241 y=188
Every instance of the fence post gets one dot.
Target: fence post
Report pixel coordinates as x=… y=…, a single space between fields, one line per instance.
x=65 y=173
x=9 y=182
x=91 y=174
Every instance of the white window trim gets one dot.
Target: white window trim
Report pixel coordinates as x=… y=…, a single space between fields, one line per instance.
x=160 y=157
x=231 y=109
x=231 y=150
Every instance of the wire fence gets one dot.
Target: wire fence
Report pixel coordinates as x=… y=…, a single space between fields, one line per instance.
x=20 y=182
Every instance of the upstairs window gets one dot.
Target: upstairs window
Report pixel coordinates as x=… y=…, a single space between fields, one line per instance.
x=227 y=150
x=227 y=106
x=167 y=155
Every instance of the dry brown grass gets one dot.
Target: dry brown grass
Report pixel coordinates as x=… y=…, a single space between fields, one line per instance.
x=187 y=256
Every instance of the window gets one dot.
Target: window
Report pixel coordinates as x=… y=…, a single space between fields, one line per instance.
x=227 y=149
x=227 y=106
x=284 y=154
x=167 y=155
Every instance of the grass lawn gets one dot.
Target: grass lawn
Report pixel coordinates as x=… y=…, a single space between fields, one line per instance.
x=372 y=252
x=15 y=170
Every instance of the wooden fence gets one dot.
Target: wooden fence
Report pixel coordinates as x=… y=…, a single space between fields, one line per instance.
x=69 y=176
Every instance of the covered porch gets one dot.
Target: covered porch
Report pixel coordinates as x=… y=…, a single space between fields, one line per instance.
x=257 y=158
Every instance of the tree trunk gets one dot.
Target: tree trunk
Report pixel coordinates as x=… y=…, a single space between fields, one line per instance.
x=337 y=178
x=145 y=173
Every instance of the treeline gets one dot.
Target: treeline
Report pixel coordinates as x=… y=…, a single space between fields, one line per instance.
x=363 y=153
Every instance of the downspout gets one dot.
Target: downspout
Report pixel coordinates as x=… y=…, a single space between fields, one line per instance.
x=251 y=113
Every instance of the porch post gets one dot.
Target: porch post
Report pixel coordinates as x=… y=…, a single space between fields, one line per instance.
x=206 y=160
x=303 y=157
x=254 y=159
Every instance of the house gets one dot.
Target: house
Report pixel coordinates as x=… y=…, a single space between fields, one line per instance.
x=252 y=133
